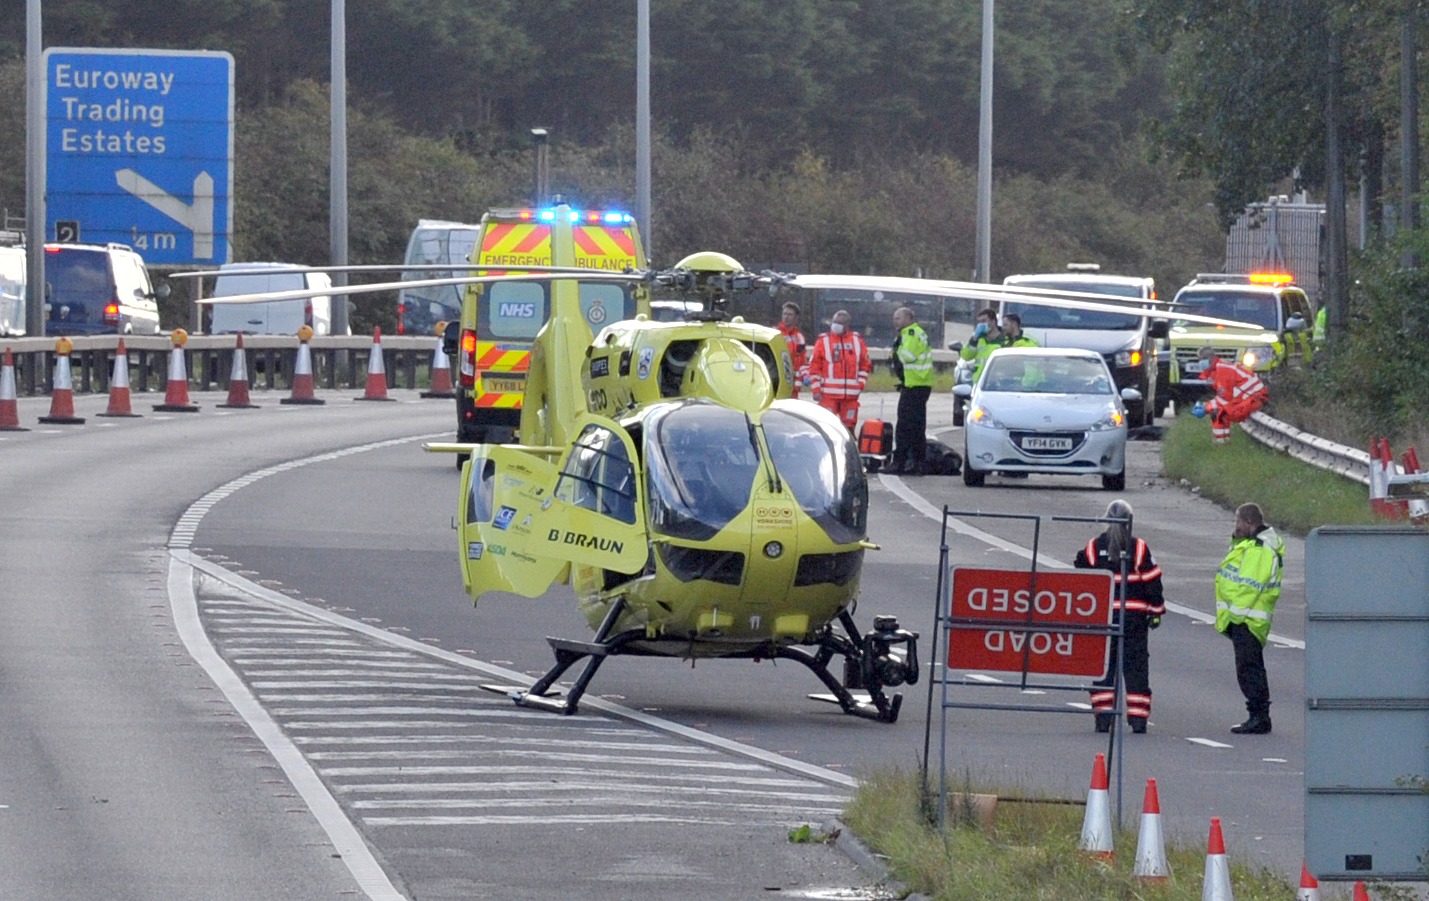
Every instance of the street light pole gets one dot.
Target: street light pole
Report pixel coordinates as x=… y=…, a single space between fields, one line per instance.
x=983 y=271
x=642 y=123
x=337 y=171
x=540 y=136
x=34 y=173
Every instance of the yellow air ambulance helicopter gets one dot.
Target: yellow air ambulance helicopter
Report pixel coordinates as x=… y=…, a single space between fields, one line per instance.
x=697 y=510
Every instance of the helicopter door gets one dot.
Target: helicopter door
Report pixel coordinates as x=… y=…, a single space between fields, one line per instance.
x=595 y=515
x=502 y=489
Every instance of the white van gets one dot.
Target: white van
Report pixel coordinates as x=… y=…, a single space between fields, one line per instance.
x=278 y=317
x=12 y=290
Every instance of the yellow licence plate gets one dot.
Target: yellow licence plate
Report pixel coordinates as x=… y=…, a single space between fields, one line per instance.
x=503 y=386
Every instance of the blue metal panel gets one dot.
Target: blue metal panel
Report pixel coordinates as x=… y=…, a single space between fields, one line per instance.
x=1367 y=690
x=139 y=150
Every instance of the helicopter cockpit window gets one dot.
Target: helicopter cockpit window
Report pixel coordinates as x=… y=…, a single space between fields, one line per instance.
x=701 y=462
x=819 y=465
x=599 y=475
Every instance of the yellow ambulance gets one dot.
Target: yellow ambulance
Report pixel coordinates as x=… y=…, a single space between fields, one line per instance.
x=500 y=320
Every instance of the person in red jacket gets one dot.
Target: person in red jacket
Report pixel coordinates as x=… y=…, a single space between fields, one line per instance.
x=1139 y=602
x=1239 y=393
x=794 y=337
x=839 y=366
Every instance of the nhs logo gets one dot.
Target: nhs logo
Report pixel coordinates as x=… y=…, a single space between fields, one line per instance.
x=510 y=310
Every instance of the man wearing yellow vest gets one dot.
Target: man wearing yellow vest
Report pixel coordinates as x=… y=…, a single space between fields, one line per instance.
x=1247 y=587
x=912 y=362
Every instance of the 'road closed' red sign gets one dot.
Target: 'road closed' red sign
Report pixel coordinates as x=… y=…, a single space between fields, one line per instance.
x=998 y=621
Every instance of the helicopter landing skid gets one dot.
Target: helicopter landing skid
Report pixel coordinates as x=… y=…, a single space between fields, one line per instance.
x=869 y=666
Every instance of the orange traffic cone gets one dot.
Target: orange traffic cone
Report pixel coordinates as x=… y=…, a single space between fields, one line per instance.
x=119 y=385
x=1150 y=844
x=303 y=372
x=376 y=373
x=62 y=395
x=441 y=370
x=1096 y=822
x=9 y=406
x=176 y=389
x=1360 y=893
x=1309 y=886
x=1217 y=884
x=238 y=380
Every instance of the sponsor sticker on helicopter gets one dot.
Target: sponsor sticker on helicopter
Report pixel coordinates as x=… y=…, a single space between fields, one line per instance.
x=474 y=550
x=647 y=359
x=600 y=367
x=504 y=515
x=773 y=515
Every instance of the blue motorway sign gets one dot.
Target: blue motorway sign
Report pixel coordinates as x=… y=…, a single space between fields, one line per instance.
x=139 y=150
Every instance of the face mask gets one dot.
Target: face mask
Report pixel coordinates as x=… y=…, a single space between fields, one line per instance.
x=837 y=328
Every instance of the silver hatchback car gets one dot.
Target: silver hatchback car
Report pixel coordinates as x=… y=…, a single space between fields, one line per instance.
x=1046 y=410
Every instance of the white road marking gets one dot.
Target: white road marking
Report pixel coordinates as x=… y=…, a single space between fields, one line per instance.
x=1209 y=743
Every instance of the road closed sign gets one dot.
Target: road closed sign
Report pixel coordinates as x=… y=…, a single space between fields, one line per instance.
x=1002 y=622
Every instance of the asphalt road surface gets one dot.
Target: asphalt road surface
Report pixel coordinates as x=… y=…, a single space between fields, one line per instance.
x=238 y=662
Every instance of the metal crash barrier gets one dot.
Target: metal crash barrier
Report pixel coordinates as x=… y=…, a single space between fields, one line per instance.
x=338 y=362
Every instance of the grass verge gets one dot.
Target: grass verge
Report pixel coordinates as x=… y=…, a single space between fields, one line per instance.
x=1028 y=852
x=1294 y=496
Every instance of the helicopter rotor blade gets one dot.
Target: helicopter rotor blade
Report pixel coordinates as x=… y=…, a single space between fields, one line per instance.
x=585 y=275
x=995 y=294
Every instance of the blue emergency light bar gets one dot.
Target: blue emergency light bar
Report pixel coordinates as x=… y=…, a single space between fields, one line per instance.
x=606 y=217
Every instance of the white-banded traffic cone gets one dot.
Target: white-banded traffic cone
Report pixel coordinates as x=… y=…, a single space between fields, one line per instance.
x=119 y=385
x=1217 y=884
x=302 y=392
x=176 y=388
x=9 y=406
x=1418 y=507
x=441 y=370
x=1361 y=893
x=1381 y=467
x=1097 y=836
x=238 y=380
x=1150 y=843
x=376 y=372
x=62 y=394
x=1309 y=885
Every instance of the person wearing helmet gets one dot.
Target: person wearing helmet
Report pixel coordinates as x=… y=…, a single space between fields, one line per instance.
x=1138 y=602
x=1239 y=393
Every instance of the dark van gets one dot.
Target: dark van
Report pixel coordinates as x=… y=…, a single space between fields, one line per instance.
x=97 y=289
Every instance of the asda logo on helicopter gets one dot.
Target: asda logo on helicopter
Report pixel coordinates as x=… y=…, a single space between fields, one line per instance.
x=580 y=539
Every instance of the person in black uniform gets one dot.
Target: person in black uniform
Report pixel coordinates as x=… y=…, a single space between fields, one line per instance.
x=1140 y=611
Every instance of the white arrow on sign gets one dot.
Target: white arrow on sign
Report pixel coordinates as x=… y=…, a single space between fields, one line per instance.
x=197 y=217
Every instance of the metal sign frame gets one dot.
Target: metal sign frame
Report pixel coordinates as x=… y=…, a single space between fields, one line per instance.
x=945 y=624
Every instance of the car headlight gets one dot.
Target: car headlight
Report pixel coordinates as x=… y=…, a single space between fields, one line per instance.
x=1257 y=356
x=1111 y=419
x=1127 y=358
x=982 y=416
